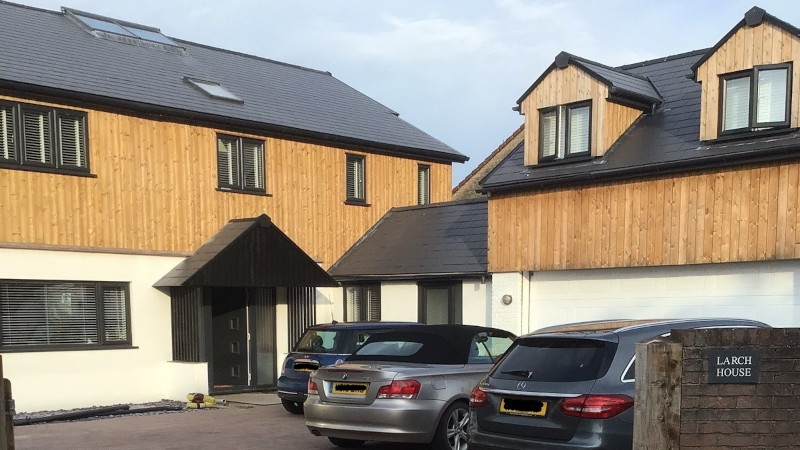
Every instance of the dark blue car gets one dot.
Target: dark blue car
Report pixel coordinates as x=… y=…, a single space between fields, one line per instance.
x=323 y=345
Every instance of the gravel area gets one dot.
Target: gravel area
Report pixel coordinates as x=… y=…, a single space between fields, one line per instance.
x=102 y=412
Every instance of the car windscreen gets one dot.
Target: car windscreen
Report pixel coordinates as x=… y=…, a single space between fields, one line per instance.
x=341 y=342
x=556 y=360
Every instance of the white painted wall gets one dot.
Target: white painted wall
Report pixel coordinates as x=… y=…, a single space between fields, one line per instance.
x=69 y=379
x=766 y=291
x=507 y=317
x=477 y=297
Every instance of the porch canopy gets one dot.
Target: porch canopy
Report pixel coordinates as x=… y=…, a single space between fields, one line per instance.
x=248 y=253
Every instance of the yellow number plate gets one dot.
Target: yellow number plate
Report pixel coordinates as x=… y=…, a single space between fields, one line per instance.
x=520 y=407
x=350 y=388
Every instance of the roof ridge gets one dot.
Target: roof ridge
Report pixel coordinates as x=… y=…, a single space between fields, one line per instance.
x=248 y=55
x=485 y=161
x=35 y=8
x=665 y=58
x=440 y=204
x=615 y=69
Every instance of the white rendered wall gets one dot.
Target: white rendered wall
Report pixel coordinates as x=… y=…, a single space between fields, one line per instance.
x=766 y=291
x=476 y=302
x=399 y=301
x=70 y=379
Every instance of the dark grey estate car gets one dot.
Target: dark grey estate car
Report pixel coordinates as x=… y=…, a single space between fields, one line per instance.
x=568 y=387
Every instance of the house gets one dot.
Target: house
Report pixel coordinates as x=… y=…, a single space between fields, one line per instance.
x=665 y=188
x=168 y=209
x=420 y=263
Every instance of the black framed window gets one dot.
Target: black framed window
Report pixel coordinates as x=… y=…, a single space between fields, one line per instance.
x=565 y=131
x=63 y=314
x=362 y=303
x=240 y=164
x=423 y=184
x=755 y=99
x=42 y=138
x=440 y=303
x=355 y=184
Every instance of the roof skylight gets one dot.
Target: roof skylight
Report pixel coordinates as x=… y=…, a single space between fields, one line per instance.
x=127 y=29
x=214 y=90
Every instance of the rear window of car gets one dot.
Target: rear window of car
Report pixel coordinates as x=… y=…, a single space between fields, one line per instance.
x=556 y=360
x=341 y=342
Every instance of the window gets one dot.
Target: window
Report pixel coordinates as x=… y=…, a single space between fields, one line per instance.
x=355 y=184
x=440 y=303
x=240 y=164
x=42 y=138
x=214 y=90
x=362 y=303
x=63 y=314
x=423 y=184
x=755 y=99
x=564 y=131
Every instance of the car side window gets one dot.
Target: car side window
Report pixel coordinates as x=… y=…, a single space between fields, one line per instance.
x=485 y=349
x=629 y=375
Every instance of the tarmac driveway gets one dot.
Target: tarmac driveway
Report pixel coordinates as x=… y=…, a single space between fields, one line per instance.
x=236 y=426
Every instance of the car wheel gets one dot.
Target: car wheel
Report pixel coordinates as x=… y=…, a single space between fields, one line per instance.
x=451 y=434
x=292 y=407
x=339 y=442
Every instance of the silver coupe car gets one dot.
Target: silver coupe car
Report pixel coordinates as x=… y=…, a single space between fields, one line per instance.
x=410 y=385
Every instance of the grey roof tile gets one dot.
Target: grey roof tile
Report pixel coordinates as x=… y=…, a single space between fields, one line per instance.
x=421 y=241
x=667 y=140
x=46 y=49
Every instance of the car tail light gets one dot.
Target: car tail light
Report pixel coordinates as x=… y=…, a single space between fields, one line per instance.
x=405 y=389
x=478 y=398
x=312 y=387
x=596 y=406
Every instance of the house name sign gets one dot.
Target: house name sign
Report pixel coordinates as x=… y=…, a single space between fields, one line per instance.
x=733 y=366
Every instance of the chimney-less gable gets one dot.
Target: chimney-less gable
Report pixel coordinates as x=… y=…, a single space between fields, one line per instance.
x=570 y=84
x=759 y=42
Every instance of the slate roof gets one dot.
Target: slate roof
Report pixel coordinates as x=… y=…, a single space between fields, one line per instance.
x=48 y=53
x=436 y=240
x=622 y=84
x=663 y=142
x=247 y=253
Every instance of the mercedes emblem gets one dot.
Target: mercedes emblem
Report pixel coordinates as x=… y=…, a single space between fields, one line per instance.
x=344 y=376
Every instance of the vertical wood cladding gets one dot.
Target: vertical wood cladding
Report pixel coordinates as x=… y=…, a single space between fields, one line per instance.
x=748 y=47
x=569 y=85
x=156 y=190
x=744 y=214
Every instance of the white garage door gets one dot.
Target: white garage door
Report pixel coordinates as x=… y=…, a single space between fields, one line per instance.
x=766 y=291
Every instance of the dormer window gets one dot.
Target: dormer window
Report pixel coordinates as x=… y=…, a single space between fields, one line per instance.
x=755 y=99
x=565 y=131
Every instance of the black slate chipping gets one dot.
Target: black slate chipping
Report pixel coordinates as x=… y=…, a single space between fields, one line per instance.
x=666 y=141
x=47 y=50
x=431 y=240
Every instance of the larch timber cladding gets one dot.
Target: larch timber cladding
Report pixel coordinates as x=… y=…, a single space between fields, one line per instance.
x=748 y=47
x=155 y=190
x=746 y=214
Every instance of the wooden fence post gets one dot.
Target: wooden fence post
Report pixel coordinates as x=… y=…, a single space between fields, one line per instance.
x=657 y=406
x=6 y=412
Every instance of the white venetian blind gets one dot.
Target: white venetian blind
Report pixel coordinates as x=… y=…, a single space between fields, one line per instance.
x=355 y=177
x=48 y=313
x=7 y=148
x=771 y=95
x=115 y=315
x=73 y=141
x=423 y=185
x=578 y=130
x=354 y=304
x=736 y=105
x=253 y=164
x=373 y=298
x=549 y=130
x=36 y=129
x=227 y=162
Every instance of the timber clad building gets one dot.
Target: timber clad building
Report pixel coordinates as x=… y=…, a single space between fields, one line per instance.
x=168 y=209
x=666 y=188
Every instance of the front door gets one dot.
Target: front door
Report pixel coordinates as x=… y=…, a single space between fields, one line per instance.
x=229 y=335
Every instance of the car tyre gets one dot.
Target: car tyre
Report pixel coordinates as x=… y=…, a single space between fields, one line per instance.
x=292 y=406
x=451 y=434
x=348 y=443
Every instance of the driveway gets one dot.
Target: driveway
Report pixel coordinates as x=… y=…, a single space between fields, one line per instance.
x=256 y=424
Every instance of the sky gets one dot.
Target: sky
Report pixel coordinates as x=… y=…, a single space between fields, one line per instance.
x=453 y=68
